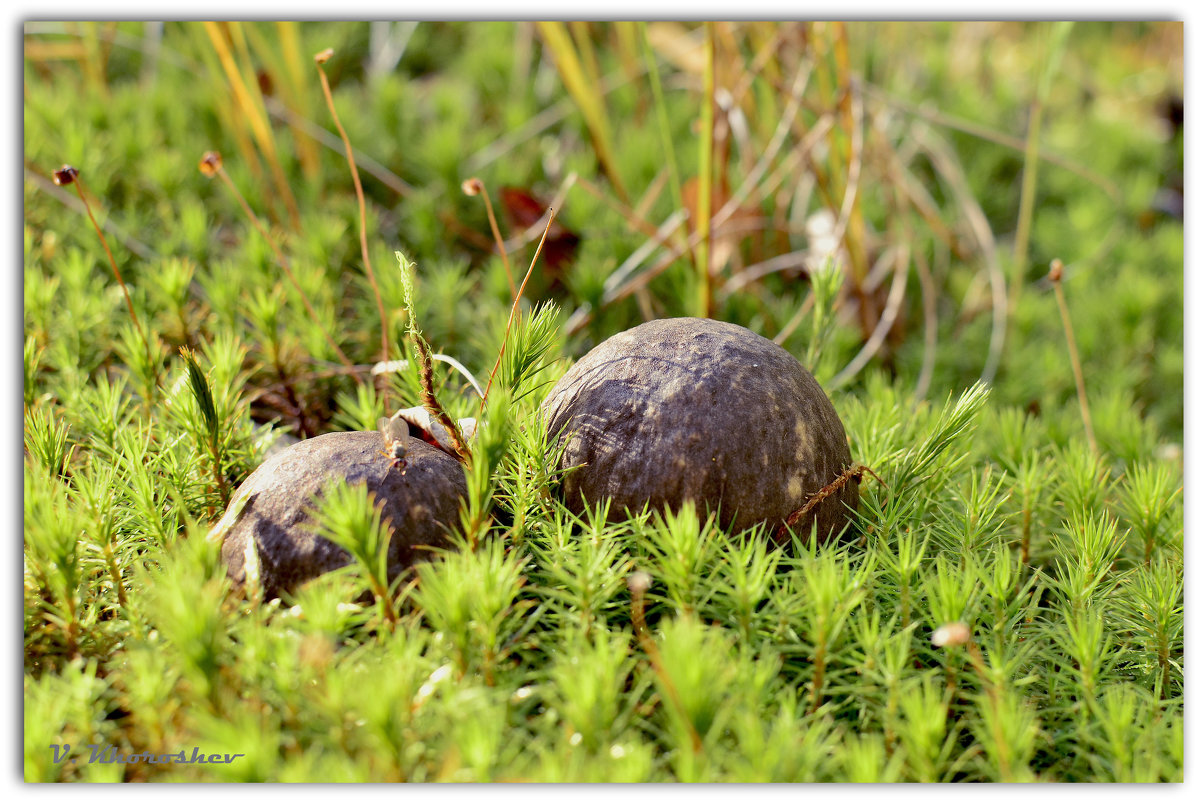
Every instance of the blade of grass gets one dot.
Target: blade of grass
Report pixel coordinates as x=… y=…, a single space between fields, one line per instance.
x=703 y=210
x=261 y=121
x=1032 y=149
x=248 y=98
x=586 y=95
x=285 y=63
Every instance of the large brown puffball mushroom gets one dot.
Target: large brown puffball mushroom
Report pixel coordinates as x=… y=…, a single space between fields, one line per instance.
x=267 y=531
x=702 y=410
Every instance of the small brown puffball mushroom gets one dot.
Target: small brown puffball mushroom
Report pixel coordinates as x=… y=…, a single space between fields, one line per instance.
x=704 y=410
x=267 y=529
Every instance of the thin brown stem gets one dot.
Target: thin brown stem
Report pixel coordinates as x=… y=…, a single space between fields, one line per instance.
x=69 y=175
x=115 y=270
x=212 y=163
x=512 y=313
x=52 y=188
x=637 y=585
x=1055 y=277
x=475 y=186
x=366 y=259
x=703 y=210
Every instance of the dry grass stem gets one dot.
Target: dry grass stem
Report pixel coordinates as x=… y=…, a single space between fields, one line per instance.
x=320 y=59
x=948 y=167
x=475 y=186
x=512 y=314
x=928 y=294
x=943 y=120
x=212 y=163
x=899 y=281
x=1055 y=277
x=69 y=175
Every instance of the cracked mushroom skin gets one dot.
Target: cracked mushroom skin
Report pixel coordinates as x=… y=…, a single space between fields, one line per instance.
x=696 y=409
x=267 y=528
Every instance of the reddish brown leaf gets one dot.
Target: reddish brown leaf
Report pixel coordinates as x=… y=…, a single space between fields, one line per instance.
x=524 y=210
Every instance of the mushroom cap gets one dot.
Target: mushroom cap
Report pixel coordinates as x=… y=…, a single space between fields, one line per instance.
x=270 y=512
x=696 y=409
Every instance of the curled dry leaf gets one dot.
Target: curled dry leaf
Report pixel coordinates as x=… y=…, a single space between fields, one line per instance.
x=525 y=211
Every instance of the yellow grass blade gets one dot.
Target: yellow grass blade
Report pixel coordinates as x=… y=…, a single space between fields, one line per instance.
x=703 y=214
x=586 y=94
x=249 y=99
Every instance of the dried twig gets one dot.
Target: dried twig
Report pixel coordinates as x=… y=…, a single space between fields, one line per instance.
x=947 y=165
x=890 y=313
x=854 y=471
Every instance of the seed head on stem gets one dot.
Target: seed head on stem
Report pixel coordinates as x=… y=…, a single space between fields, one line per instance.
x=475 y=186
x=1055 y=277
x=68 y=175
x=212 y=166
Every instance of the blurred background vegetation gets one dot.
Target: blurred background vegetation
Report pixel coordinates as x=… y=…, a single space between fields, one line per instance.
x=944 y=164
